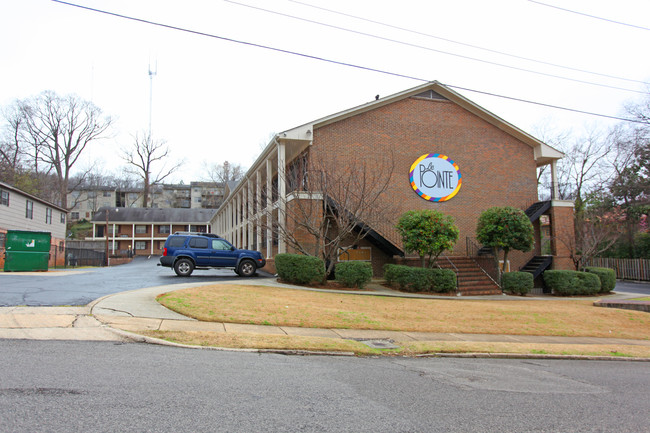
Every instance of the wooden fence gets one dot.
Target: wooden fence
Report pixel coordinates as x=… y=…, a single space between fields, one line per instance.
x=626 y=269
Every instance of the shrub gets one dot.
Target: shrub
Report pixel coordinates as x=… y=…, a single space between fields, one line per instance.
x=444 y=280
x=518 y=283
x=353 y=274
x=607 y=278
x=299 y=269
x=568 y=283
x=397 y=274
x=420 y=279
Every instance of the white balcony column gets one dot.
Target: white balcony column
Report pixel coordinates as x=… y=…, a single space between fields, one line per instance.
x=249 y=214
x=113 y=238
x=269 y=209
x=133 y=237
x=282 y=197
x=151 y=239
x=258 y=213
x=244 y=220
x=555 y=188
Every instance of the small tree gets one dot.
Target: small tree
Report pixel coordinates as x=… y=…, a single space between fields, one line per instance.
x=427 y=233
x=505 y=228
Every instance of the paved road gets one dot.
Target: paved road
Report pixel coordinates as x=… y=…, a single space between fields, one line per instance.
x=109 y=387
x=642 y=289
x=81 y=286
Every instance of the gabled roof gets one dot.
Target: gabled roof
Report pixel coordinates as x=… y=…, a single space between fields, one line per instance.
x=154 y=215
x=544 y=153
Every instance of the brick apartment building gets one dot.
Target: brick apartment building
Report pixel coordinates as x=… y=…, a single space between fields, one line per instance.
x=143 y=231
x=493 y=164
x=87 y=200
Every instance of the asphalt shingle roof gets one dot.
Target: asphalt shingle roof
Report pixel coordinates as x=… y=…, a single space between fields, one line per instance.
x=154 y=215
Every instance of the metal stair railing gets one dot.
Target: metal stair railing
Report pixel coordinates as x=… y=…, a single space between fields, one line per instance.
x=485 y=261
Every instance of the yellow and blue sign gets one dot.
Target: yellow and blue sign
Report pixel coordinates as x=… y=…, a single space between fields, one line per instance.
x=435 y=177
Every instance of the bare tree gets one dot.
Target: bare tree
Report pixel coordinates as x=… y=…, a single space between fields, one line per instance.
x=145 y=153
x=224 y=172
x=58 y=129
x=330 y=208
x=595 y=232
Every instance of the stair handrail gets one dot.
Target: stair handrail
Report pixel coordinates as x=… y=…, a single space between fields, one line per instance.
x=485 y=264
x=455 y=269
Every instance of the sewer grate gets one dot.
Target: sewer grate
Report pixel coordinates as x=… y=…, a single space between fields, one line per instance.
x=379 y=344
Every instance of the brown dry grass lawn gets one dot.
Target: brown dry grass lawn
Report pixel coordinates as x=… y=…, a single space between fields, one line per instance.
x=319 y=344
x=288 y=307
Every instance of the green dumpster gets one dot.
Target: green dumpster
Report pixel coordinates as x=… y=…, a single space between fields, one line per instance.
x=27 y=251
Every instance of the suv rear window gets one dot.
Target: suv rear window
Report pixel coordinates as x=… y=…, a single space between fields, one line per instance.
x=176 y=241
x=198 y=243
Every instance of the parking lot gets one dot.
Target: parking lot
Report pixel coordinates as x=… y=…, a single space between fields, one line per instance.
x=83 y=285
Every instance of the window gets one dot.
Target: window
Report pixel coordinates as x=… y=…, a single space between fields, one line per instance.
x=4 y=197
x=48 y=216
x=29 y=209
x=198 y=243
x=177 y=241
x=74 y=215
x=220 y=244
x=140 y=245
x=363 y=254
x=61 y=246
x=62 y=218
x=163 y=230
x=141 y=229
x=107 y=193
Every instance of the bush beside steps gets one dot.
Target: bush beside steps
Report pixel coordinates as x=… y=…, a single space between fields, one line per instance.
x=412 y=279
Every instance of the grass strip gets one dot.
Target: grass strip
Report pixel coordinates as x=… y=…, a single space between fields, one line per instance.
x=276 y=306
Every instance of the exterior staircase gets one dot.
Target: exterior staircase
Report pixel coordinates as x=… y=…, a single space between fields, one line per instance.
x=537 y=265
x=472 y=281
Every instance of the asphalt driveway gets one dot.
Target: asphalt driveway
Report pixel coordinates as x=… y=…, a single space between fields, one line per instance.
x=81 y=286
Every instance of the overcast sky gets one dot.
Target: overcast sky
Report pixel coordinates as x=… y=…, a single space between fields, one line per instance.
x=216 y=100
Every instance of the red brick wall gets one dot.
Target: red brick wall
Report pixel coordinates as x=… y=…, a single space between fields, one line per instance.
x=497 y=169
x=562 y=234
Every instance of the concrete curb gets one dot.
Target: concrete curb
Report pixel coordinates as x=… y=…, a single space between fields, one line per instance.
x=532 y=356
x=152 y=340
x=138 y=338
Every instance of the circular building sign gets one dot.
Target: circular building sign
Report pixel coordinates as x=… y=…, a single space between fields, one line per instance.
x=435 y=177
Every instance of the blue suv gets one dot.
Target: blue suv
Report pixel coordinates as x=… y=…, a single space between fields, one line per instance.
x=186 y=251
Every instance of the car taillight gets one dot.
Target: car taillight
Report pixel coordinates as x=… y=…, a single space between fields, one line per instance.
x=164 y=251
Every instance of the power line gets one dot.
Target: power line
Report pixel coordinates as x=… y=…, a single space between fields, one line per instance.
x=590 y=16
x=336 y=62
x=575 y=80
x=489 y=50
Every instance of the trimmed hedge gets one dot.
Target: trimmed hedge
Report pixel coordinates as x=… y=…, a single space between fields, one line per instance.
x=569 y=283
x=413 y=279
x=299 y=269
x=518 y=283
x=353 y=274
x=607 y=278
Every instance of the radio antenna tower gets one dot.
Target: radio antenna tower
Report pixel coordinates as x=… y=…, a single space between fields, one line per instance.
x=152 y=73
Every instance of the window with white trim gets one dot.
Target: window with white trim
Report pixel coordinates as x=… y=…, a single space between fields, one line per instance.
x=140 y=245
x=48 y=215
x=29 y=209
x=4 y=197
x=141 y=230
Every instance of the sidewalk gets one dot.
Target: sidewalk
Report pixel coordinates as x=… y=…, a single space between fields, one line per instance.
x=106 y=318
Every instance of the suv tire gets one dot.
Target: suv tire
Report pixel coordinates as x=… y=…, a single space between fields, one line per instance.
x=247 y=268
x=183 y=267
